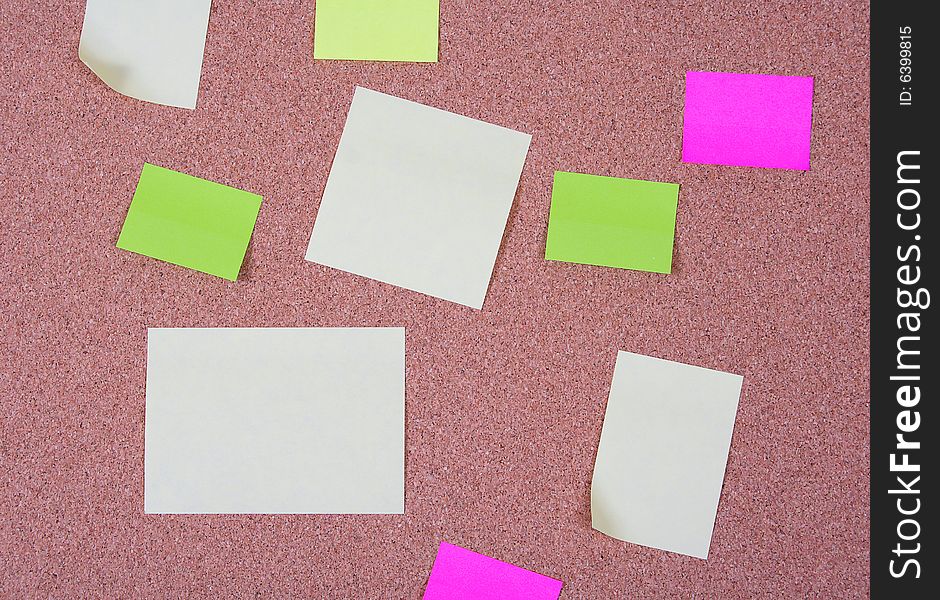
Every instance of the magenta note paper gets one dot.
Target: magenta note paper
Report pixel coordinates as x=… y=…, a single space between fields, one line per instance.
x=747 y=120
x=459 y=574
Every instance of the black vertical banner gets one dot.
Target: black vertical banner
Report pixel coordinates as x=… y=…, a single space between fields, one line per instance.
x=904 y=366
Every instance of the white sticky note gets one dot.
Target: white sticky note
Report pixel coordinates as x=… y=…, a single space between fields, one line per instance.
x=146 y=49
x=275 y=421
x=663 y=451
x=418 y=197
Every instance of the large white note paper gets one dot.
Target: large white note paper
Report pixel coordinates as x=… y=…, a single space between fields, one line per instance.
x=418 y=197
x=663 y=451
x=275 y=421
x=147 y=49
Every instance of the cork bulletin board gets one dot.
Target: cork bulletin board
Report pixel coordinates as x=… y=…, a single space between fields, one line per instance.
x=504 y=405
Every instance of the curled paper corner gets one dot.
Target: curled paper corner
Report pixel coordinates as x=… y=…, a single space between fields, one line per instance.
x=114 y=75
x=120 y=78
x=150 y=51
x=600 y=516
x=604 y=516
x=604 y=520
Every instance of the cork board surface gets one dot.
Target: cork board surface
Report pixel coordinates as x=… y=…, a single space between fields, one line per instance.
x=504 y=406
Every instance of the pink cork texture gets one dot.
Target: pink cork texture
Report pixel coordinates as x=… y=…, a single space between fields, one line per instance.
x=505 y=405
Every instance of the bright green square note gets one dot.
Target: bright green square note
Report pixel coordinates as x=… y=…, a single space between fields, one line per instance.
x=190 y=222
x=612 y=222
x=392 y=30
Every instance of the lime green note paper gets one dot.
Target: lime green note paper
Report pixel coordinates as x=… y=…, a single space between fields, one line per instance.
x=390 y=30
x=612 y=222
x=190 y=222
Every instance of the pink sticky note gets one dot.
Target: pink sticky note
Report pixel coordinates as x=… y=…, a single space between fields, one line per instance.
x=747 y=120
x=459 y=574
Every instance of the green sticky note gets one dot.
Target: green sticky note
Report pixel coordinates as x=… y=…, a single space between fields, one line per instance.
x=190 y=222
x=399 y=30
x=612 y=222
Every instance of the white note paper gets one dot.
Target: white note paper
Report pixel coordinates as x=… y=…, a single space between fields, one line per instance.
x=275 y=421
x=662 y=455
x=418 y=197
x=146 y=49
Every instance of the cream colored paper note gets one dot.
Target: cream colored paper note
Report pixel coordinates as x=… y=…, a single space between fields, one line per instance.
x=662 y=454
x=418 y=197
x=292 y=420
x=145 y=49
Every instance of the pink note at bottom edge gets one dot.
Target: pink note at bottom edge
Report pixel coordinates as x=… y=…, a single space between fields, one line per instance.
x=460 y=574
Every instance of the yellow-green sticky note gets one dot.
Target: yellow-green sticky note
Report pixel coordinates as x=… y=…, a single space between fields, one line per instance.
x=612 y=222
x=190 y=222
x=391 y=30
